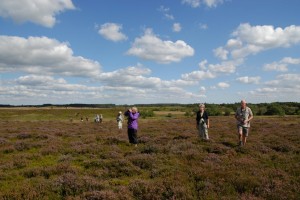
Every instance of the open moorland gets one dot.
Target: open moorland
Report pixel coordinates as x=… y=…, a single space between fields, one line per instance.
x=52 y=154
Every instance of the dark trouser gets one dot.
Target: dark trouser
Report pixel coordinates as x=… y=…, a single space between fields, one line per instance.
x=132 y=135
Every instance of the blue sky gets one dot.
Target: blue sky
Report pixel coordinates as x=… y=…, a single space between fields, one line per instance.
x=160 y=51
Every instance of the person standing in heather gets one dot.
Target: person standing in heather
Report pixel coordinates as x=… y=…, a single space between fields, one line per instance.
x=132 y=114
x=120 y=120
x=202 y=122
x=243 y=115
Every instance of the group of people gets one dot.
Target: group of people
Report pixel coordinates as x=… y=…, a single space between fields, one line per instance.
x=98 y=118
x=243 y=116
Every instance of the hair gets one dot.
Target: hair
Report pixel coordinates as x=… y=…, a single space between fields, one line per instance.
x=134 y=108
x=201 y=105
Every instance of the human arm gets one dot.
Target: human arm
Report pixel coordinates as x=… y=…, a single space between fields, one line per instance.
x=134 y=115
x=197 y=120
x=207 y=123
x=207 y=119
x=250 y=117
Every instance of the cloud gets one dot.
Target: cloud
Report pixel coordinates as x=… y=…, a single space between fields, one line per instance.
x=221 y=53
x=292 y=61
x=222 y=67
x=176 y=27
x=117 y=86
x=203 y=26
x=150 y=47
x=250 y=40
x=36 y=11
x=282 y=88
x=275 y=67
x=136 y=76
x=166 y=13
x=202 y=89
x=223 y=85
x=39 y=89
x=282 y=65
x=112 y=31
x=38 y=80
x=197 y=3
x=198 y=75
x=45 y=56
x=249 y=80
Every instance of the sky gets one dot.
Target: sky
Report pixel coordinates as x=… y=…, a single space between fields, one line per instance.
x=144 y=52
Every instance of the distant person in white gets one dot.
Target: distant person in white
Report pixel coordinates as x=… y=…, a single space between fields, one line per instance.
x=119 y=120
x=97 y=118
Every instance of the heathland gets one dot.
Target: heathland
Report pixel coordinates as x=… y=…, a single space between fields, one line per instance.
x=49 y=153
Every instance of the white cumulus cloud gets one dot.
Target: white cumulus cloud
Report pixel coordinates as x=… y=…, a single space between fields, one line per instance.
x=176 y=27
x=42 y=55
x=282 y=88
x=249 y=80
x=150 y=47
x=36 y=11
x=223 y=85
x=282 y=65
x=250 y=40
x=112 y=31
x=197 y=3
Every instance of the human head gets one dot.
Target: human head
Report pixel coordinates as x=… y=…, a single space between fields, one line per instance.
x=134 y=109
x=120 y=112
x=201 y=106
x=243 y=103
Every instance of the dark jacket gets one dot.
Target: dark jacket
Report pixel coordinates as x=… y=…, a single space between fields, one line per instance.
x=204 y=116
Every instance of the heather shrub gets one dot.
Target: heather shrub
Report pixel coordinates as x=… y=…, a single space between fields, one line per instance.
x=120 y=168
x=149 y=149
x=98 y=163
x=3 y=141
x=159 y=190
x=92 y=184
x=21 y=146
x=144 y=161
x=24 y=136
x=19 y=162
x=67 y=184
x=114 y=140
x=85 y=160
x=8 y=149
x=99 y=195
x=32 y=172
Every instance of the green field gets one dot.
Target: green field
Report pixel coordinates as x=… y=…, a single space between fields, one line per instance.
x=48 y=153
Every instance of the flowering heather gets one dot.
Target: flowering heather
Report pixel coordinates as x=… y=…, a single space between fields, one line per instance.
x=55 y=158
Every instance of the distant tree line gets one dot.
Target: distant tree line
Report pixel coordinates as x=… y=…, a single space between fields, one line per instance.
x=276 y=108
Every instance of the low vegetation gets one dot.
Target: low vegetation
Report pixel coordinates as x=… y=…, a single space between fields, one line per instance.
x=52 y=154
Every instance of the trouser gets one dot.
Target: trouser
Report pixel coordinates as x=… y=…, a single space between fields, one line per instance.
x=120 y=124
x=132 y=135
x=203 y=131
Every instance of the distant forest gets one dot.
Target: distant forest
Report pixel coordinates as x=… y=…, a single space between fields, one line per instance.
x=276 y=108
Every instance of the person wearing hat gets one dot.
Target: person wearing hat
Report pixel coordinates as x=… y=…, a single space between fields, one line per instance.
x=120 y=120
x=202 y=122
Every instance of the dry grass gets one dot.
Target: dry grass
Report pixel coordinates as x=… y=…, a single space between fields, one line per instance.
x=58 y=159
